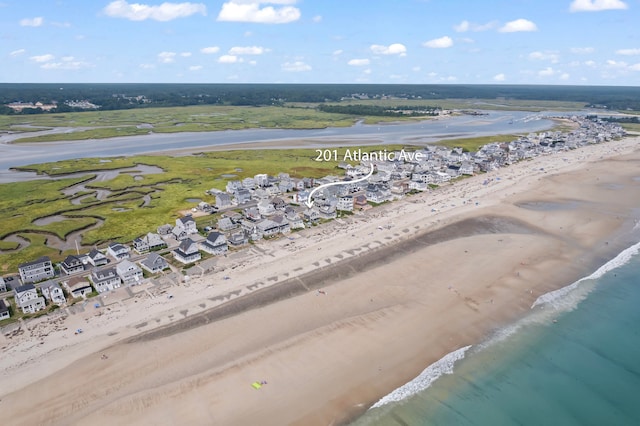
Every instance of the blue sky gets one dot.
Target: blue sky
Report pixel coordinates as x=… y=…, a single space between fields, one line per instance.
x=592 y=42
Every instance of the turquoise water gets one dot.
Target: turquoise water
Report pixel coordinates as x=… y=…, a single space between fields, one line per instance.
x=574 y=360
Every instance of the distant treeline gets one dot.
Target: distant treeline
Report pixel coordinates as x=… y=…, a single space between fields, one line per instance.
x=635 y=120
x=378 y=110
x=123 y=96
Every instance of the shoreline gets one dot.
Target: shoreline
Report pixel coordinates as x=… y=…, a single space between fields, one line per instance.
x=363 y=318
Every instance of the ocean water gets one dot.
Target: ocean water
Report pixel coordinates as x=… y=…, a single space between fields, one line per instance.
x=574 y=360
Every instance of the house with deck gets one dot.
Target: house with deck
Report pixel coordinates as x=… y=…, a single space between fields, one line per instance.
x=129 y=272
x=78 y=286
x=154 y=263
x=149 y=242
x=118 y=251
x=27 y=299
x=216 y=243
x=71 y=264
x=105 y=279
x=97 y=258
x=3 y=285
x=37 y=270
x=53 y=293
x=187 y=252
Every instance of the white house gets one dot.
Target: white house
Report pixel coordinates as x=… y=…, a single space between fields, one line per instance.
x=345 y=203
x=105 y=279
x=52 y=291
x=129 y=272
x=185 y=226
x=27 y=299
x=37 y=270
x=118 y=251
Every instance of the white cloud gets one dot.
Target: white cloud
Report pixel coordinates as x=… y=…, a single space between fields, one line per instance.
x=147 y=66
x=582 y=50
x=338 y=52
x=416 y=69
x=166 y=57
x=519 y=25
x=499 y=77
x=209 y=50
x=616 y=64
x=185 y=54
x=195 y=68
x=596 y=5
x=17 y=52
x=368 y=71
x=439 y=43
x=590 y=63
x=565 y=76
x=247 y=50
x=392 y=49
x=358 y=62
x=635 y=67
x=628 y=52
x=317 y=18
x=229 y=59
x=61 y=24
x=544 y=56
x=547 y=72
x=66 y=65
x=32 y=22
x=254 y=11
x=465 y=26
x=43 y=58
x=297 y=66
x=164 y=12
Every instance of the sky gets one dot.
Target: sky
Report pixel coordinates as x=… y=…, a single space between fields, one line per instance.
x=574 y=42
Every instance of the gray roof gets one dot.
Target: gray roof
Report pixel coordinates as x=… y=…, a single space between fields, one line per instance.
x=35 y=262
x=24 y=288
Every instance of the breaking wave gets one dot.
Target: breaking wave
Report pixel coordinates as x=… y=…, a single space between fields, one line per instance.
x=430 y=374
x=557 y=299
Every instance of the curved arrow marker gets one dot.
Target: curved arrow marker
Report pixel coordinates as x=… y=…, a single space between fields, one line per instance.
x=309 y=202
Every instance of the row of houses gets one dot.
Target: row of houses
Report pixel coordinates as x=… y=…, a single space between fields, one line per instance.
x=275 y=205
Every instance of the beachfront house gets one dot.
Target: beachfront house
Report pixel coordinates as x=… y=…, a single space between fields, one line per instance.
x=105 y=279
x=27 y=299
x=187 y=252
x=238 y=238
x=154 y=263
x=37 y=270
x=3 y=285
x=118 y=251
x=71 y=264
x=4 y=310
x=53 y=293
x=78 y=286
x=216 y=243
x=345 y=203
x=129 y=272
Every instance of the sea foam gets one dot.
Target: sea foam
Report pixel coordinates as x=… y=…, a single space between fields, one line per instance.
x=555 y=298
x=430 y=374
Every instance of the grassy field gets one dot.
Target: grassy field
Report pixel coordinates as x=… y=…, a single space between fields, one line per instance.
x=124 y=214
x=106 y=124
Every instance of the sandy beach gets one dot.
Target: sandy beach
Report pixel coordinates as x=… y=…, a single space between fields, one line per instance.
x=336 y=316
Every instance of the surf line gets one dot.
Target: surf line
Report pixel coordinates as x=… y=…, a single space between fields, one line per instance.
x=309 y=201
